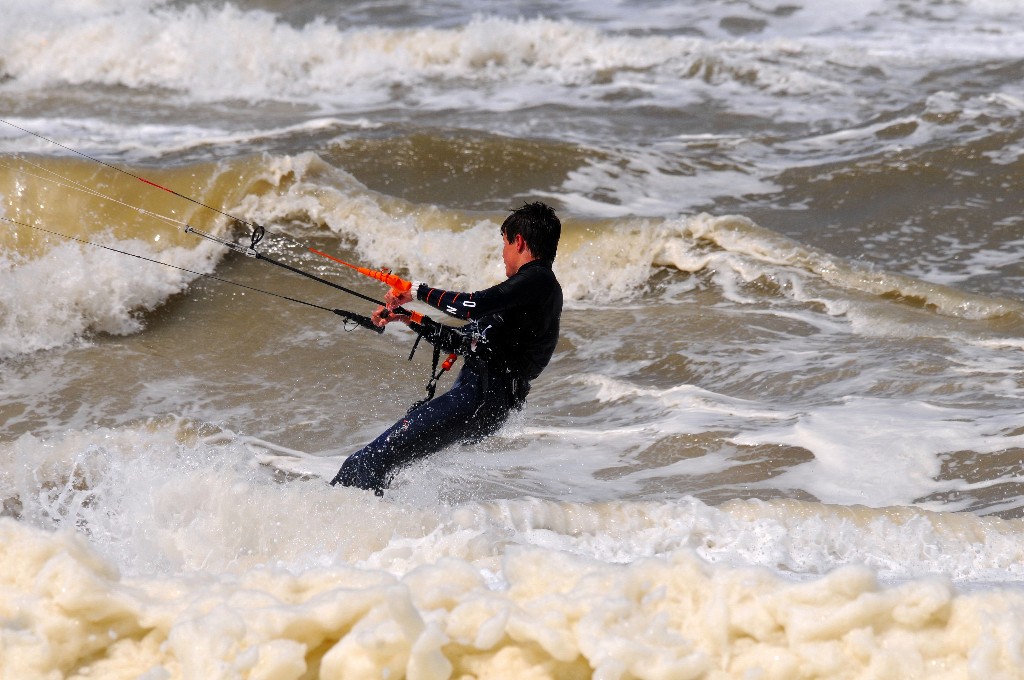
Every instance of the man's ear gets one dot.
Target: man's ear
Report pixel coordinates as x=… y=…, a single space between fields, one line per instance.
x=520 y=243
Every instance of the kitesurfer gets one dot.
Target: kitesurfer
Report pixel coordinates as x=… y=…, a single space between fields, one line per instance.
x=510 y=337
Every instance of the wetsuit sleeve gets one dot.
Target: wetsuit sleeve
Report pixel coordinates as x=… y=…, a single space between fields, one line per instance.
x=469 y=306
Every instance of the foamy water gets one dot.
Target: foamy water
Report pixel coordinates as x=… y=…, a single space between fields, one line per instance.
x=217 y=577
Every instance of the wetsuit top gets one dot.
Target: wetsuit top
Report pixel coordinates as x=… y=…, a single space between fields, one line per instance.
x=518 y=317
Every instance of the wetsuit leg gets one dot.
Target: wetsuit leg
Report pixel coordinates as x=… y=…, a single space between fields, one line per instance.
x=469 y=410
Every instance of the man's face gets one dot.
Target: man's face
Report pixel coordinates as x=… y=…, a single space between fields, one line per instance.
x=509 y=254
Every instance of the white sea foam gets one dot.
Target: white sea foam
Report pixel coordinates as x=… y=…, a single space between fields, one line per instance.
x=159 y=551
x=599 y=263
x=554 y=615
x=150 y=140
x=751 y=252
x=51 y=301
x=613 y=261
x=879 y=453
x=873 y=452
x=166 y=499
x=507 y=62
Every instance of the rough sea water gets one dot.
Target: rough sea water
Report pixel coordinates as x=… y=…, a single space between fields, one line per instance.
x=782 y=436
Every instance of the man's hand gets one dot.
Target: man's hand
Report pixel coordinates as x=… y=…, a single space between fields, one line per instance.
x=395 y=298
x=382 y=316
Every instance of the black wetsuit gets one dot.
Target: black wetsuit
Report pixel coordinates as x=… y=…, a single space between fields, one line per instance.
x=516 y=323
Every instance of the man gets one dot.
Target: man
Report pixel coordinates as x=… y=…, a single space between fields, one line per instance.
x=510 y=337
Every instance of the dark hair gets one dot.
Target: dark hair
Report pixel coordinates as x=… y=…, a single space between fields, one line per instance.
x=539 y=226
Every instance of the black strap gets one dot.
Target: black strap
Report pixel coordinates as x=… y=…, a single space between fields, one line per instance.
x=434 y=375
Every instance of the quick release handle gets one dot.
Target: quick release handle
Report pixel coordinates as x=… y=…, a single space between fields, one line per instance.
x=364 y=321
